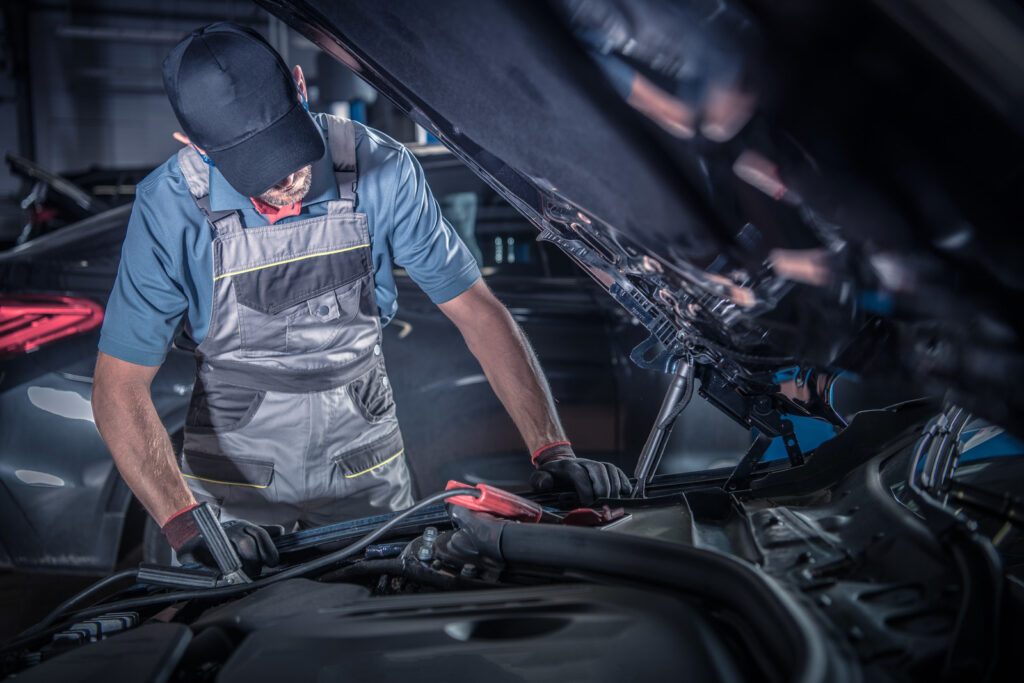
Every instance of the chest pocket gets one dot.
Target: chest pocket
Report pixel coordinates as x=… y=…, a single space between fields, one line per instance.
x=300 y=305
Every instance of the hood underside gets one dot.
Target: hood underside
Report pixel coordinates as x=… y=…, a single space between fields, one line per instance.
x=829 y=185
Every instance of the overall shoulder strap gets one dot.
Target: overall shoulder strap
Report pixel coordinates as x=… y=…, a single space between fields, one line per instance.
x=197 y=175
x=341 y=140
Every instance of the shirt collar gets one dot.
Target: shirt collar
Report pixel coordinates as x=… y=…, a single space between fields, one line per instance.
x=323 y=186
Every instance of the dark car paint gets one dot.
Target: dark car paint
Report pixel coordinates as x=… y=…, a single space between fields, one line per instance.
x=64 y=503
x=454 y=427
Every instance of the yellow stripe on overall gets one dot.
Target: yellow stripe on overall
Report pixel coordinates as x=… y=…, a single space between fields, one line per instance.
x=291 y=260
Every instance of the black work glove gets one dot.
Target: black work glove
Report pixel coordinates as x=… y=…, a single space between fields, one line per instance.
x=558 y=467
x=253 y=543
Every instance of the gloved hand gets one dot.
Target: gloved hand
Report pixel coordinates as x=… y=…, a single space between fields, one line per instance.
x=557 y=466
x=253 y=543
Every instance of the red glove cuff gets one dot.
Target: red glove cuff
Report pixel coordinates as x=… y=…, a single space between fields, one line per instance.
x=558 y=450
x=180 y=528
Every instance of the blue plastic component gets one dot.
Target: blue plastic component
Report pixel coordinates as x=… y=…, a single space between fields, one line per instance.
x=357 y=111
x=879 y=303
x=810 y=433
x=989 y=442
x=786 y=374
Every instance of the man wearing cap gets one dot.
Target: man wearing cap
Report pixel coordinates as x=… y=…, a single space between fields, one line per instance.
x=270 y=240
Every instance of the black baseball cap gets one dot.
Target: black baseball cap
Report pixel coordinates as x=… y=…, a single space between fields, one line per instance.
x=237 y=101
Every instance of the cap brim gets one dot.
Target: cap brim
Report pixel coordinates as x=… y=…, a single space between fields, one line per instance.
x=256 y=164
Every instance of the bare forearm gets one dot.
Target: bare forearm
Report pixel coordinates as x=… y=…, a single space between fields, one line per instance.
x=514 y=373
x=128 y=422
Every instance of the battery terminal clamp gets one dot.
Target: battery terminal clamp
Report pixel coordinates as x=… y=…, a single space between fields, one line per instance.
x=500 y=503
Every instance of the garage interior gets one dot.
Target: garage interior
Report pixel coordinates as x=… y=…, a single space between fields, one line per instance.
x=795 y=336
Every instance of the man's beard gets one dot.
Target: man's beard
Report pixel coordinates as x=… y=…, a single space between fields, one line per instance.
x=300 y=186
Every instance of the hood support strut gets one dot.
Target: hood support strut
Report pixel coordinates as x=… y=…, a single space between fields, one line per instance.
x=678 y=396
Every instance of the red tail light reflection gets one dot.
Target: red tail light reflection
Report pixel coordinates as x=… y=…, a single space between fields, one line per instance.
x=29 y=321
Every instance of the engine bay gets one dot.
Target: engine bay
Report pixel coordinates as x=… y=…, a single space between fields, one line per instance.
x=832 y=570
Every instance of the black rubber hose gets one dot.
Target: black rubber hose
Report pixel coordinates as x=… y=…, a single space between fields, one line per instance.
x=408 y=568
x=361 y=570
x=785 y=627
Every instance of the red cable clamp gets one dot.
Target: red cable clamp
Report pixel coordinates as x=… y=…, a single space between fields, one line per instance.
x=507 y=505
x=497 y=502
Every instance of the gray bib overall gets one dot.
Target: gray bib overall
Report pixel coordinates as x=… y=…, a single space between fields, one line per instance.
x=292 y=420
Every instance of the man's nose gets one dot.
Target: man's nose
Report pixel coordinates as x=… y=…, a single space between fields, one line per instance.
x=286 y=181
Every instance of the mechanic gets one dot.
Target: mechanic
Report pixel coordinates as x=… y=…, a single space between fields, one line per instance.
x=270 y=241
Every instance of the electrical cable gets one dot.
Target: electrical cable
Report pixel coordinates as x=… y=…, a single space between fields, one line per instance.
x=225 y=591
x=77 y=598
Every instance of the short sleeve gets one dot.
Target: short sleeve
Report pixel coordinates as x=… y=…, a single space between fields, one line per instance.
x=147 y=302
x=423 y=242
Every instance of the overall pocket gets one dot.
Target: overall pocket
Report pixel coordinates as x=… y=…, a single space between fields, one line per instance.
x=228 y=471
x=223 y=408
x=299 y=306
x=364 y=460
x=372 y=395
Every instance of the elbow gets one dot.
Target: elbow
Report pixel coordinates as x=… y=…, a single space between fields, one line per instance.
x=489 y=324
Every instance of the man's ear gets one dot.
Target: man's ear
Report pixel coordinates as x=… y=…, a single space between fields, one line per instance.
x=300 y=81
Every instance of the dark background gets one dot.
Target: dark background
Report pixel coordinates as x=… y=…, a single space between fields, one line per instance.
x=80 y=84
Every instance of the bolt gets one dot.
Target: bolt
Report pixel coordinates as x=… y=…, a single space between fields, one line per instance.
x=430 y=534
x=468 y=571
x=772 y=521
x=824 y=600
x=804 y=558
x=424 y=553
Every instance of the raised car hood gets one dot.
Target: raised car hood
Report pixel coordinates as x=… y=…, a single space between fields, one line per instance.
x=855 y=207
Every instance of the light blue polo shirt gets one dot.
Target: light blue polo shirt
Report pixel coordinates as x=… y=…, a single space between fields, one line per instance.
x=165 y=278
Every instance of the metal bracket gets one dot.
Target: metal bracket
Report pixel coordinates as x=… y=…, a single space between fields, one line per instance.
x=740 y=477
x=741 y=473
x=664 y=360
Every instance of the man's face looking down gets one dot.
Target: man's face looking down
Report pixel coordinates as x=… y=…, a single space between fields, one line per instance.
x=291 y=189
